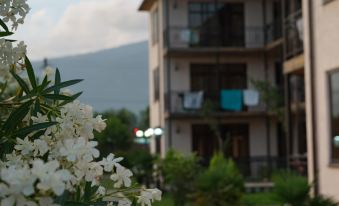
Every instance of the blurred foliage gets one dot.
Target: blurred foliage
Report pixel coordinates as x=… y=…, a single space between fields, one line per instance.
x=291 y=188
x=220 y=185
x=180 y=173
x=271 y=96
x=118 y=135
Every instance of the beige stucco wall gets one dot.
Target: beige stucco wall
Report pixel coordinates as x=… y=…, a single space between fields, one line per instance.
x=326 y=35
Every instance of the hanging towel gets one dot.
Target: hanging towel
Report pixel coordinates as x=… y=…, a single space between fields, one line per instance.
x=231 y=100
x=185 y=36
x=193 y=100
x=251 y=97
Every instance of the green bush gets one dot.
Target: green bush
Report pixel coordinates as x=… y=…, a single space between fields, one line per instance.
x=220 y=185
x=180 y=173
x=260 y=199
x=291 y=188
x=322 y=201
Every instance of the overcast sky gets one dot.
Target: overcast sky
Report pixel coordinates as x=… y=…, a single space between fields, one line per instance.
x=63 y=27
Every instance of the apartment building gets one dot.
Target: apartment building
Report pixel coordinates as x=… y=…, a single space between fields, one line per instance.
x=321 y=32
x=204 y=57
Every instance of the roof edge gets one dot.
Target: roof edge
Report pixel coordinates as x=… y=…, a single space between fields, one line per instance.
x=146 y=5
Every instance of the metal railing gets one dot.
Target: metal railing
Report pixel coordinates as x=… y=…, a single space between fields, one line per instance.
x=174 y=103
x=294 y=35
x=261 y=168
x=274 y=31
x=187 y=37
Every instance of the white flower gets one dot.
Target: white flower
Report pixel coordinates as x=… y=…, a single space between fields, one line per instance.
x=110 y=162
x=124 y=202
x=25 y=146
x=39 y=118
x=101 y=191
x=11 y=54
x=99 y=124
x=14 y=11
x=145 y=198
x=19 y=180
x=40 y=147
x=156 y=193
x=122 y=177
x=50 y=177
x=76 y=149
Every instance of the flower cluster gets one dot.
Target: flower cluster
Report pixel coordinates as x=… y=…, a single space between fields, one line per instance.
x=10 y=54
x=69 y=154
x=14 y=11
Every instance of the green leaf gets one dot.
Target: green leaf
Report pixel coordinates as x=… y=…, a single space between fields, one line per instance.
x=26 y=130
x=4 y=26
x=57 y=80
x=21 y=82
x=58 y=97
x=3 y=34
x=30 y=73
x=61 y=85
x=74 y=97
x=17 y=116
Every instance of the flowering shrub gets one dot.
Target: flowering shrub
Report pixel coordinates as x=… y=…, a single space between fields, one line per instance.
x=48 y=155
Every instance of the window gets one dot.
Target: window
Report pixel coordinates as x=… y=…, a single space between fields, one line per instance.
x=217 y=24
x=155 y=26
x=334 y=112
x=156 y=84
x=212 y=78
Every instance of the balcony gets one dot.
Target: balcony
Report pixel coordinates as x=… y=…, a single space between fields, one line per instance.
x=175 y=107
x=293 y=42
x=195 y=39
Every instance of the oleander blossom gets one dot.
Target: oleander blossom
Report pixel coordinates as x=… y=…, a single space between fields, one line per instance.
x=71 y=161
x=14 y=12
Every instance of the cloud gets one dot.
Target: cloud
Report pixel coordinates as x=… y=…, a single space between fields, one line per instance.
x=84 y=26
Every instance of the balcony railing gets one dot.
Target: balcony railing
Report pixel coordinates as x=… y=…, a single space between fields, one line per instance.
x=274 y=31
x=175 y=104
x=186 y=37
x=294 y=35
x=259 y=168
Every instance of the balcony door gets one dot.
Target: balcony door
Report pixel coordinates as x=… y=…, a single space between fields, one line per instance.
x=235 y=139
x=214 y=25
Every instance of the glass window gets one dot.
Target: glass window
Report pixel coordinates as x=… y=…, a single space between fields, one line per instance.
x=334 y=98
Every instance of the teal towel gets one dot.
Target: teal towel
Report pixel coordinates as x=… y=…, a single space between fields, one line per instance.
x=231 y=100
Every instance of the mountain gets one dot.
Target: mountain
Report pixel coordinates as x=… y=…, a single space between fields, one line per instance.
x=113 y=79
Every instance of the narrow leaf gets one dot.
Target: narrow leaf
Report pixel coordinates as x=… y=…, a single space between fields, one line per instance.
x=57 y=80
x=4 y=26
x=26 y=130
x=3 y=34
x=62 y=85
x=21 y=82
x=57 y=97
x=30 y=73
x=74 y=97
x=17 y=116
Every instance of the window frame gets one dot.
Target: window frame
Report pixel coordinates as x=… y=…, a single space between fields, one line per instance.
x=333 y=160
